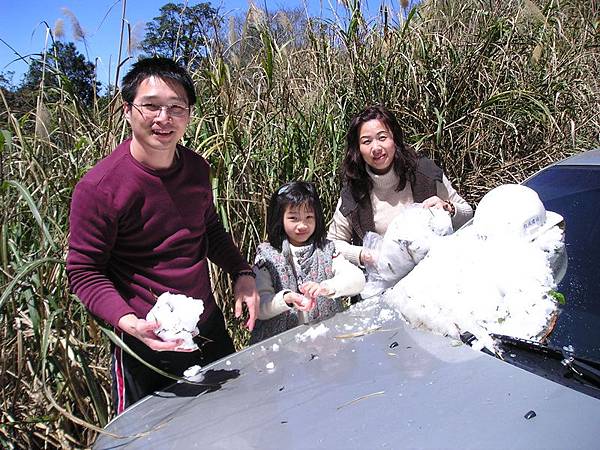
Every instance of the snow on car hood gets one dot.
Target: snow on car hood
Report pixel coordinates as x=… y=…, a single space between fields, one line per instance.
x=501 y=286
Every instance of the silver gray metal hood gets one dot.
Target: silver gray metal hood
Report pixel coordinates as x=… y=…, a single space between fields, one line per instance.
x=392 y=388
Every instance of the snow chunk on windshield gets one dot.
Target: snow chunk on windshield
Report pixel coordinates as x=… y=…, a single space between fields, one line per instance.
x=312 y=333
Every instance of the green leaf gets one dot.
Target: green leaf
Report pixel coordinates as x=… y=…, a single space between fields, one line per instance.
x=45 y=342
x=28 y=268
x=34 y=210
x=558 y=297
x=95 y=391
x=5 y=140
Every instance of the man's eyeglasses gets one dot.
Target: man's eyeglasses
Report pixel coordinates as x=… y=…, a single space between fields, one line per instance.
x=152 y=109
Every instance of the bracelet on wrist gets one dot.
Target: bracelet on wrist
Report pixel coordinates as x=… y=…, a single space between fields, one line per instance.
x=242 y=273
x=289 y=304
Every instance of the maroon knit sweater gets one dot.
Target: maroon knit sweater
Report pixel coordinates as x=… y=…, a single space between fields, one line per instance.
x=138 y=232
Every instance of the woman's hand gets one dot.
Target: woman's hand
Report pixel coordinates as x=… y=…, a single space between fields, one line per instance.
x=367 y=257
x=438 y=203
x=299 y=301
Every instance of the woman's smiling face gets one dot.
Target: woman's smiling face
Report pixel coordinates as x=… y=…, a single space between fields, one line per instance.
x=376 y=145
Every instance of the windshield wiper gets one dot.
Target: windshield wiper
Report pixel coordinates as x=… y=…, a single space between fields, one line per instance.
x=581 y=368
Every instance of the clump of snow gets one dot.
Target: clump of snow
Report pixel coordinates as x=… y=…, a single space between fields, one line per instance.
x=366 y=315
x=569 y=348
x=404 y=245
x=385 y=315
x=178 y=316
x=192 y=372
x=312 y=333
x=270 y=365
x=499 y=285
x=275 y=347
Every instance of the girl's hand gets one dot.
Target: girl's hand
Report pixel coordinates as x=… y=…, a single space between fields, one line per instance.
x=300 y=302
x=313 y=289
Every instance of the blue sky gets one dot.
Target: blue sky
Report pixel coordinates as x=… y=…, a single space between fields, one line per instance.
x=22 y=24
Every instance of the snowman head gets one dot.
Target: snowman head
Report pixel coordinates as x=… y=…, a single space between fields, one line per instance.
x=513 y=210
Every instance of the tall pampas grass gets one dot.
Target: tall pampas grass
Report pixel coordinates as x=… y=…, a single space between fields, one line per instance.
x=59 y=29
x=79 y=34
x=134 y=38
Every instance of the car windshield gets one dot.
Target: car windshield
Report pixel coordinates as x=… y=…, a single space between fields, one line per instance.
x=574 y=192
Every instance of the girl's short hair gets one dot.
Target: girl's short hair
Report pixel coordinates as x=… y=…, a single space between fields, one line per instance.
x=294 y=193
x=354 y=172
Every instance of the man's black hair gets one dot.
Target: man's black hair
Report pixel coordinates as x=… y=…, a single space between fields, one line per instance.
x=164 y=68
x=295 y=193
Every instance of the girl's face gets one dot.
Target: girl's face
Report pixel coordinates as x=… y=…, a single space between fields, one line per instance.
x=376 y=145
x=299 y=224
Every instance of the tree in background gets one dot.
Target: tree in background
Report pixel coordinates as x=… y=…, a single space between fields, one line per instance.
x=181 y=32
x=65 y=68
x=6 y=80
x=6 y=85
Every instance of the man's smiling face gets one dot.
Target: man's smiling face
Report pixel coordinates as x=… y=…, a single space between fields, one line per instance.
x=157 y=131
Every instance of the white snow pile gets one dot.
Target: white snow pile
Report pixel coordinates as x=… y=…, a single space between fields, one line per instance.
x=192 y=372
x=404 y=245
x=499 y=283
x=178 y=316
x=312 y=333
x=367 y=314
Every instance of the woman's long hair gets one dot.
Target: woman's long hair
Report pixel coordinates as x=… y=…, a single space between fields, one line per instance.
x=354 y=166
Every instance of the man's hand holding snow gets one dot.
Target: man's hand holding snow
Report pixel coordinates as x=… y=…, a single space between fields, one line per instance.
x=144 y=331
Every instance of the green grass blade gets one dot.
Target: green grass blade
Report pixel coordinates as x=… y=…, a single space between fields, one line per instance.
x=23 y=273
x=34 y=210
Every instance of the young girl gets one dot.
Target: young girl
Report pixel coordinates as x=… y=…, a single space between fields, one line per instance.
x=299 y=275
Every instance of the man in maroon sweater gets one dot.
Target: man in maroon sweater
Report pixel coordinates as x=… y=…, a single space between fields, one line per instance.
x=143 y=223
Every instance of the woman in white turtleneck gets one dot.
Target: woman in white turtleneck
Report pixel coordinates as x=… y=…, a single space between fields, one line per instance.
x=381 y=176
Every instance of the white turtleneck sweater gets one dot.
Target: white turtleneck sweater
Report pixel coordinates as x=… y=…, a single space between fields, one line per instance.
x=387 y=203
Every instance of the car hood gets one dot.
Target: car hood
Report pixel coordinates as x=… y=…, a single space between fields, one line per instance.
x=381 y=384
